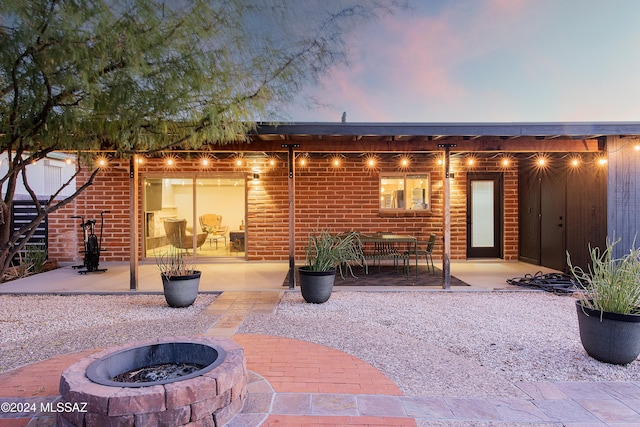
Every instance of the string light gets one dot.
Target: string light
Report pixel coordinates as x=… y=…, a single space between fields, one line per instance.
x=371 y=161
x=575 y=161
x=170 y=162
x=303 y=160
x=541 y=161
x=101 y=162
x=205 y=161
x=405 y=162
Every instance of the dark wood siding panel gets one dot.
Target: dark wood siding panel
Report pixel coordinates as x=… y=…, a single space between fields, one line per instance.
x=623 y=198
x=586 y=209
x=580 y=195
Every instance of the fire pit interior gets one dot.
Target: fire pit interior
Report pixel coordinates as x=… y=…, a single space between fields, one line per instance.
x=162 y=382
x=168 y=372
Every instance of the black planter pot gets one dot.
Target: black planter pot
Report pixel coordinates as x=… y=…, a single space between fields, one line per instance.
x=609 y=337
x=316 y=286
x=181 y=291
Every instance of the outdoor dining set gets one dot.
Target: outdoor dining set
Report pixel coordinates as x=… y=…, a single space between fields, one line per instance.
x=398 y=248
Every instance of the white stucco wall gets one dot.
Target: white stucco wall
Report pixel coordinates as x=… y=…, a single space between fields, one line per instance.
x=45 y=177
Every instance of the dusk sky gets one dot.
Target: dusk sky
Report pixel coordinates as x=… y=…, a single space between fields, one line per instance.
x=489 y=60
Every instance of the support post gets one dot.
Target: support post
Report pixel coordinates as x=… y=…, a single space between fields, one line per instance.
x=446 y=214
x=292 y=216
x=133 y=223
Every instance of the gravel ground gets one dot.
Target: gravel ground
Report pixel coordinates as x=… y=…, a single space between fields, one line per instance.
x=34 y=328
x=459 y=344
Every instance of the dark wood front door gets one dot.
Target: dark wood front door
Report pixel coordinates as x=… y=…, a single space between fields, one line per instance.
x=484 y=215
x=553 y=219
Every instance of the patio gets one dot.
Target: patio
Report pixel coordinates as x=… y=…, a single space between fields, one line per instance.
x=235 y=275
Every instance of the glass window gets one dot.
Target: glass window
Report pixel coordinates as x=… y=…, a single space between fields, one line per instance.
x=211 y=210
x=405 y=192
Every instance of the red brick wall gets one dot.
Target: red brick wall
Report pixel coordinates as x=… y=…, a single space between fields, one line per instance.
x=347 y=198
x=109 y=192
x=342 y=199
x=268 y=214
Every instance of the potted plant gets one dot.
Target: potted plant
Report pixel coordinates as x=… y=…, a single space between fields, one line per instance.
x=325 y=253
x=180 y=280
x=609 y=306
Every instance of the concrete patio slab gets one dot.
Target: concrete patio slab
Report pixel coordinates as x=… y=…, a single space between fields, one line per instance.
x=237 y=275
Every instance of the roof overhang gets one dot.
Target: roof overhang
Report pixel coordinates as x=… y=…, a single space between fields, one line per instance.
x=578 y=130
x=466 y=136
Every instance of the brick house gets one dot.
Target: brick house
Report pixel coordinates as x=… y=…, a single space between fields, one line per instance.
x=528 y=191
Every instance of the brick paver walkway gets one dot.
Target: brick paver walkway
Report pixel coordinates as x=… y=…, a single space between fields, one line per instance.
x=296 y=383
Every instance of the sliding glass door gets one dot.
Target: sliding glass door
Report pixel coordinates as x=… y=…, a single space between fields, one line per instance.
x=201 y=215
x=220 y=211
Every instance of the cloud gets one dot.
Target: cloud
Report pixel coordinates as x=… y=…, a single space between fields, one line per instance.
x=489 y=60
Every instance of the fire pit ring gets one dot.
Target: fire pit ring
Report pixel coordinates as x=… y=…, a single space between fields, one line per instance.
x=103 y=370
x=215 y=391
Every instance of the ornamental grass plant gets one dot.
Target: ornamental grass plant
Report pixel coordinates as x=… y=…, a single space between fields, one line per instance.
x=611 y=285
x=326 y=251
x=172 y=263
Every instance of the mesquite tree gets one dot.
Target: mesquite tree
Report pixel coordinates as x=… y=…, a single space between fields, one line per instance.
x=147 y=75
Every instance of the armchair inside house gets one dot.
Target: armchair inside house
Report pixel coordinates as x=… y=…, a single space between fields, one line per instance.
x=179 y=236
x=212 y=224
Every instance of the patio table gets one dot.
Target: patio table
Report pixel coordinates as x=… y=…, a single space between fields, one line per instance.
x=386 y=247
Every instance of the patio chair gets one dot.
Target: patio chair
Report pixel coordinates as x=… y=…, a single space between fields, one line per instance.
x=211 y=224
x=427 y=253
x=383 y=251
x=178 y=235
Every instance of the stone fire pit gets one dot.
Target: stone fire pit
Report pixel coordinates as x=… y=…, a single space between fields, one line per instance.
x=210 y=396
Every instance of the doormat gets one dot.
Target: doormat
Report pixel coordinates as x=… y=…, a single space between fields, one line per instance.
x=388 y=275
